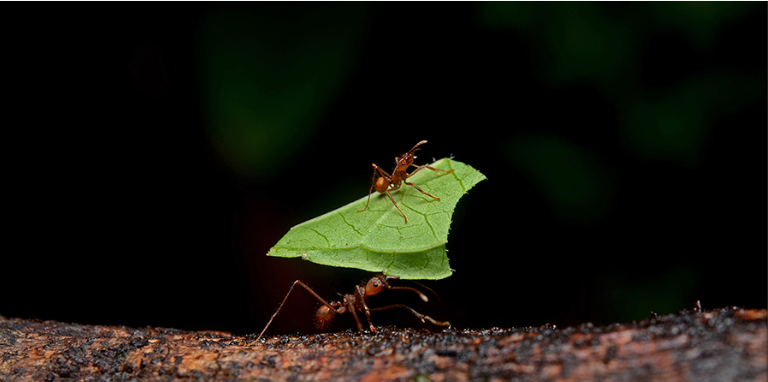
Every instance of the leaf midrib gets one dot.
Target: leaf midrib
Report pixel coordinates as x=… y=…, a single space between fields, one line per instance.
x=365 y=247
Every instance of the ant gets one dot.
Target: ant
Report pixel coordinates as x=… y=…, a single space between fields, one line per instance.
x=399 y=176
x=357 y=301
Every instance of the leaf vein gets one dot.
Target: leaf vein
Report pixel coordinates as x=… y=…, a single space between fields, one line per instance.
x=461 y=182
x=321 y=235
x=351 y=225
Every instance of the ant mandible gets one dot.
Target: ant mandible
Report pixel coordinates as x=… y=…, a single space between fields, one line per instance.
x=399 y=176
x=356 y=301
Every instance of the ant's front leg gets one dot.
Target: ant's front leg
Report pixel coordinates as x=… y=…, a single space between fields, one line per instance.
x=418 y=168
x=361 y=295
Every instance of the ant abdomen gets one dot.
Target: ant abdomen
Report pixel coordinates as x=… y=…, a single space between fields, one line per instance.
x=324 y=317
x=382 y=184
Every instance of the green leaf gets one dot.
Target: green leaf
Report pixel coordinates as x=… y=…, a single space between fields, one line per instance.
x=378 y=239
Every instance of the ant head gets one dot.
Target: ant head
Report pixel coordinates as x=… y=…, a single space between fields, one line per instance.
x=404 y=161
x=377 y=284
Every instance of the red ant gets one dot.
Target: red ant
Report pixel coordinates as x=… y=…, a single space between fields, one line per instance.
x=399 y=176
x=357 y=301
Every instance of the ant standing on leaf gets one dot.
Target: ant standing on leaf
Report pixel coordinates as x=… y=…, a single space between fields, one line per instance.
x=399 y=176
x=356 y=301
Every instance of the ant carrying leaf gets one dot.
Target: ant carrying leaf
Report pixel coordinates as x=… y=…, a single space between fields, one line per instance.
x=376 y=240
x=354 y=302
x=386 y=183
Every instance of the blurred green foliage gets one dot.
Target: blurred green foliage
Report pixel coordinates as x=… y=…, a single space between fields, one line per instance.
x=269 y=72
x=604 y=46
x=674 y=124
x=575 y=181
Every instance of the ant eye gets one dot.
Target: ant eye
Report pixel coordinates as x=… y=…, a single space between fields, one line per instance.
x=375 y=285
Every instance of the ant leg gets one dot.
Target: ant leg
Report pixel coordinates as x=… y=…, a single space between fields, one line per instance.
x=423 y=297
x=351 y=308
x=370 y=190
x=361 y=295
x=418 y=168
x=422 y=317
x=422 y=191
x=396 y=206
x=286 y=298
x=437 y=170
x=414 y=290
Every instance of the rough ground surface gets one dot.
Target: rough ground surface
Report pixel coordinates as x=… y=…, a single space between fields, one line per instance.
x=727 y=344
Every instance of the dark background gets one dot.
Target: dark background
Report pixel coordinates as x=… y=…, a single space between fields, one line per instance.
x=155 y=152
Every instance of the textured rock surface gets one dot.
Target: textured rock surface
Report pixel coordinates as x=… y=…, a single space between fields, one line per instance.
x=727 y=344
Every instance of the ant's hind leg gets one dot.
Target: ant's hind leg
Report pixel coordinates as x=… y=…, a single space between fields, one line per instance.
x=381 y=173
x=369 y=197
x=370 y=190
x=308 y=289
